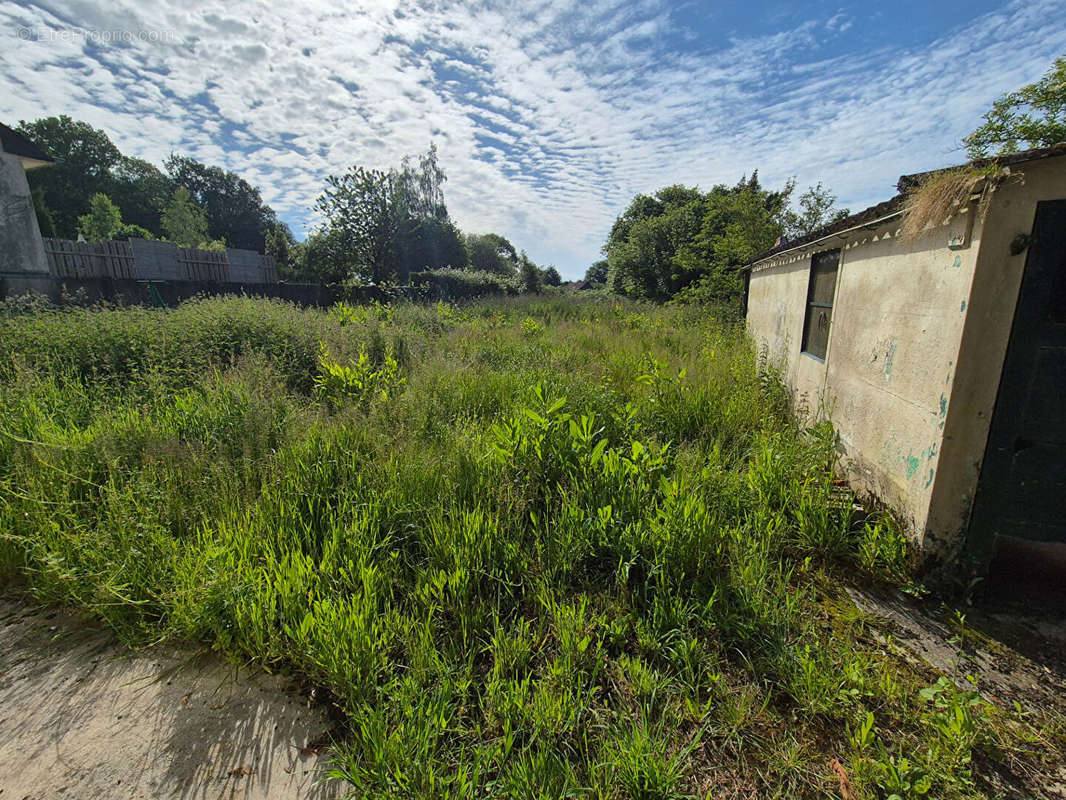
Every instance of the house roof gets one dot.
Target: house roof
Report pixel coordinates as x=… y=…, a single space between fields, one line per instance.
x=13 y=142
x=893 y=206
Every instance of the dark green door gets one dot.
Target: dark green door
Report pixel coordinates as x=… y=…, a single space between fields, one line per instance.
x=1022 y=488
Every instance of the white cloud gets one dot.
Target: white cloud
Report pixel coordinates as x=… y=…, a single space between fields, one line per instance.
x=548 y=116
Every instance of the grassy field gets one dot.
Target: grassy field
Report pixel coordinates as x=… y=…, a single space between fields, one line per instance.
x=542 y=548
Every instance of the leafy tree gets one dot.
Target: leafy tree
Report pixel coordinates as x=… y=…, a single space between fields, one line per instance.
x=552 y=277
x=817 y=208
x=316 y=259
x=381 y=225
x=431 y=243
x=739 y=223
x=665 y=242
x=1034 y=116
x=490 y=252
x=597 y=273
x=423 y=186
x=233 y=208
x=364 y=211
x=184 y=222
x=141 y=191
x=280 y=243
x=103 y=222
x=645 y=239
x=529 y=275
x=84 y=156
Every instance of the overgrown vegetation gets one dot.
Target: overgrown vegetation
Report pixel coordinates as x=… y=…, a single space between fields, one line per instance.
x=686 y=243
x=944 y=193
x=532 y=548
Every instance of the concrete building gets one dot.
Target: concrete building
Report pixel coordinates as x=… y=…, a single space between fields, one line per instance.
x=940 y=357
x=23 y=265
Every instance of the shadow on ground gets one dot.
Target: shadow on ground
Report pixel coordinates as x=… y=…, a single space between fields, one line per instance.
x=1010 y=636
x=82 y=716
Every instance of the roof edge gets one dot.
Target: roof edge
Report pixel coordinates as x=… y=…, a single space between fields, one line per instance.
x=894 y=206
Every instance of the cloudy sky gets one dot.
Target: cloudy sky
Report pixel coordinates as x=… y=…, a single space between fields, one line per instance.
x=549 y=116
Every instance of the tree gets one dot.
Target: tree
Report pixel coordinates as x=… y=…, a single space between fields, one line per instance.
x=817 y=208
x=184 y=222
x=103 y=222
x=423 y=186
x=528 y=274
x=141 y=191
x=431 y=243
x=233 y=208
x=1034 y=115
x=664 y=243
x=645 y=239
x=491 y=252
x=739 y=223
x=552 y=277
x=597 y=272
x=364 y=210
x=84 y=156
x=279 y=242
x=317 y=260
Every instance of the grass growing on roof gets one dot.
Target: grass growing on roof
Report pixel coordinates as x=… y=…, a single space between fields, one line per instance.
x=534 y=548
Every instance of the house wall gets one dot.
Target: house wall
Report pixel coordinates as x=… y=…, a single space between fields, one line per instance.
x=897 y=322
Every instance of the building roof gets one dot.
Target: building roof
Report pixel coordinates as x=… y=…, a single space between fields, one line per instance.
x=14 y=143
x=895 y=205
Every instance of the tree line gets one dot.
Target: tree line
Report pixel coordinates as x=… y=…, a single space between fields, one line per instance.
x=687 y=243
x=96 y=191
x=378 y=226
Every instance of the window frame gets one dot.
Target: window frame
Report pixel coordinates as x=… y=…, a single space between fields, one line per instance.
x=821 y=305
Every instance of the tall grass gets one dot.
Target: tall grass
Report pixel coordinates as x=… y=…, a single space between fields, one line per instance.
x=534 y=548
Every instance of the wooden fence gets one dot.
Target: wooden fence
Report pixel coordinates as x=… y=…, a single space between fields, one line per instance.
x=68 y=259
x=203 y=265
x=139 y=259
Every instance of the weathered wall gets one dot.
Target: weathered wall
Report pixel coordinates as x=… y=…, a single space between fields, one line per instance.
x=897 y=321
x=21 y=250
x=989 y=317
x=777 y=299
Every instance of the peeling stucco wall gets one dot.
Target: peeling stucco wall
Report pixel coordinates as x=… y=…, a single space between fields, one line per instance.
x=887 y=379
x=917 y=341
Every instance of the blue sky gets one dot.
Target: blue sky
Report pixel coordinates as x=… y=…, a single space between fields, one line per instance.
x=548 y=116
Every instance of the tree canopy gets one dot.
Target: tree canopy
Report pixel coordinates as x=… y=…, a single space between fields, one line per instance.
x=491 y=252
x=1033 y=116
x=233 y=208
x=664 y=243
x=88 y=163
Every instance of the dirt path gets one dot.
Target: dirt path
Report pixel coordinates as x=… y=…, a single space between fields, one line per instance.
x=81 y=716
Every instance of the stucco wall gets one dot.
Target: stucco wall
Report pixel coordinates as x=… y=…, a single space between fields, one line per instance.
x=886 y=382
x=897 y=322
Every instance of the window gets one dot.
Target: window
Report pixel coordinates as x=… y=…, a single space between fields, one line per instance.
x=820 y=302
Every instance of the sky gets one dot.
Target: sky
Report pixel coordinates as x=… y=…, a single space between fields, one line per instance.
x=548 y=116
